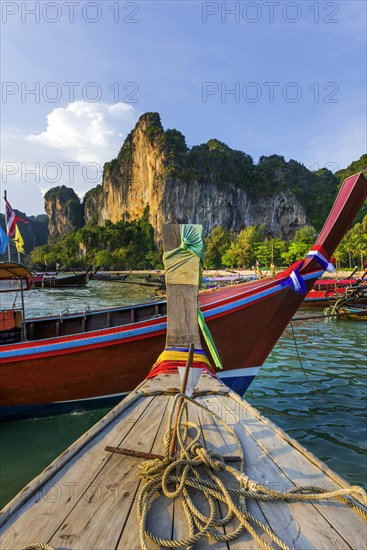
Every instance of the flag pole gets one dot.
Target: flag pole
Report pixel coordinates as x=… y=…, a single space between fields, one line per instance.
x=8 y=242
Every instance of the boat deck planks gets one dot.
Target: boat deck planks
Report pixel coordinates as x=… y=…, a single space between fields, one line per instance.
x=293 y=522
x=87 y=497
x=302 y=468
x=129 y=536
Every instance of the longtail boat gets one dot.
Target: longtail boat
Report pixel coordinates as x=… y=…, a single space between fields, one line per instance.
x=68 y=361
x=65 y=281
x=185 y=463
x=326 y=291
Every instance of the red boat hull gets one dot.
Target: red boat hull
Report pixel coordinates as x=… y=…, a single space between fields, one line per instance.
x=244 y=335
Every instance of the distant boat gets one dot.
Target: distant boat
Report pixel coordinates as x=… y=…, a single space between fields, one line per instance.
x=70 y=360
x=227 y=280
x=353 y=313
x=326 y=291
x=353 y=306
x=53 y=280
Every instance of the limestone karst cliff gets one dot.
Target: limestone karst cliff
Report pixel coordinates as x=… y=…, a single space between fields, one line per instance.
x=209 y=184
x=64 y=211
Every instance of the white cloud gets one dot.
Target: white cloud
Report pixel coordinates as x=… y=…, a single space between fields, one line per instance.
x=88 y=134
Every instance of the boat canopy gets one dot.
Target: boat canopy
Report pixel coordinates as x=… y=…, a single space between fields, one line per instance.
x=14 y=276
x=8 y=270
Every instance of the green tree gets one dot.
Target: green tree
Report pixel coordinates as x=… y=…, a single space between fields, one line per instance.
x=124 y=245
x=356 y=243
x=242 y=252
x=306 y=235
x=216 y=244
x=271 y=251
x=296 y=251
x=303 y=240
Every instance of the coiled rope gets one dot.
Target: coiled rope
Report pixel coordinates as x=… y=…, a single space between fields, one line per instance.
x=197 y=468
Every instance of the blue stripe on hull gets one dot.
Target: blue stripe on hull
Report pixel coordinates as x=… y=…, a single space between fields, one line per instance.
x=239 y=384
x=20 y=412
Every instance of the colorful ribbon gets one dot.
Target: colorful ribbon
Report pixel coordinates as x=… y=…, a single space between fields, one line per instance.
x=171 y=358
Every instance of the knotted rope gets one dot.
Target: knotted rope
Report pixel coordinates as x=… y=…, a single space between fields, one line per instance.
x=196 y=469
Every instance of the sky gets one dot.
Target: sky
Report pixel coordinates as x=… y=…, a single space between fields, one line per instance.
x=271 y=77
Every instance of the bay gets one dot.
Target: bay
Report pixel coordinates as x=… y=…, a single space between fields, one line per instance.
x=313 y=385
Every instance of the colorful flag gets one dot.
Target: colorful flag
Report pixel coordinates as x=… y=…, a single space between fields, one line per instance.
x=4 y=241
x=11 y=219
x=18 y=241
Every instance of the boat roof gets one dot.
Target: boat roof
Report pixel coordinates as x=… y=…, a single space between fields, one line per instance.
x=337 y=282
x=8 y=270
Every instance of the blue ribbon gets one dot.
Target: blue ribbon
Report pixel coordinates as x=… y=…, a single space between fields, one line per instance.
x=295 y=281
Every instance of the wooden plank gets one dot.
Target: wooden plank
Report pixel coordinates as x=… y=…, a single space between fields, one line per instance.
x=293 y=522
x=99 y=516
x=250 y=411
x=224 y=444
x=195 y=415
x=168 y=519
x=182 y=301
x=162 y=510
x=295 y=468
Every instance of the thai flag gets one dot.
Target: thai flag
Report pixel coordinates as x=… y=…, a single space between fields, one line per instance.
x=11 y=219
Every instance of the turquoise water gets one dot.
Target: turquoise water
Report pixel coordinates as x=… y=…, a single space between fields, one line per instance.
x=316 y=390
x=95 y=295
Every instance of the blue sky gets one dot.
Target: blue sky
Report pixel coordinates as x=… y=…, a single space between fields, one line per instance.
x=297 y=71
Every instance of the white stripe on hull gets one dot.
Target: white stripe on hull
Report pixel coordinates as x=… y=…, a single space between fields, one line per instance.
x=238 y=373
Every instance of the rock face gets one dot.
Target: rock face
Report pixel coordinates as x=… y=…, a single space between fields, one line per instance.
x=209 y=184
x=133 y=180
x=282 y=214
x=64 y=211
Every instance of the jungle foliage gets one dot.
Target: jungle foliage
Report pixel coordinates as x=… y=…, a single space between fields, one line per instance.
x=123 y=245
x=224 y=249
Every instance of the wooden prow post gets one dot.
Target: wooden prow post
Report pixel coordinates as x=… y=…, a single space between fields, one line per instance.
x=182 y=316
x=182 y=301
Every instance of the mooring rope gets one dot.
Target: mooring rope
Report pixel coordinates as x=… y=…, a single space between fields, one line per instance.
x=196 y=468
